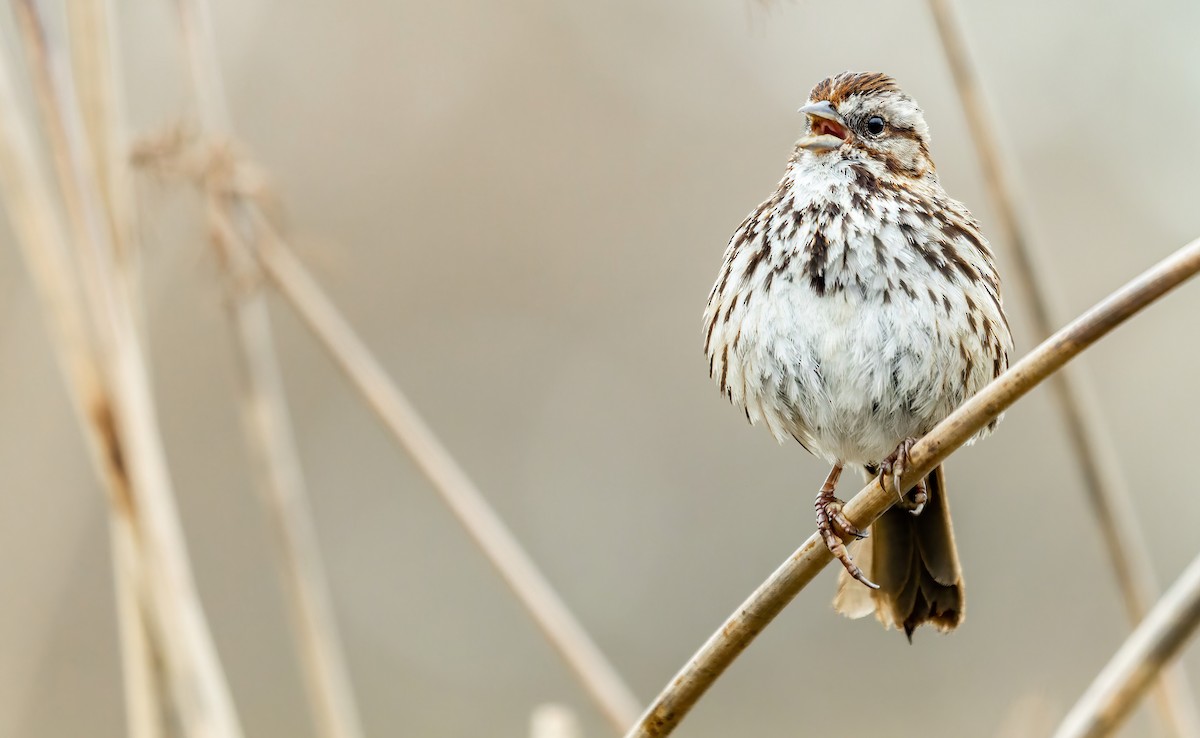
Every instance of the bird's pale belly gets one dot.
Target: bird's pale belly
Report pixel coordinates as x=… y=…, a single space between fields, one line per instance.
x=850 y=378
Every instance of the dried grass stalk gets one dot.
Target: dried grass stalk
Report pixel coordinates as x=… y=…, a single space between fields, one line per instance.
x=265 y=411
x=1157 y=640
x=269 y=435
x=124 y=410
x=95 y=65
x=1108 y=491
x=40 y=234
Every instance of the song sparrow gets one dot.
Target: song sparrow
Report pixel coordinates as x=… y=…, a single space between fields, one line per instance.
x=857 y=307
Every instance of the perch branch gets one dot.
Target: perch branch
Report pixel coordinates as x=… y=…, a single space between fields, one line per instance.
x=1157 y=640
x=786 y=582
x=1087 y=432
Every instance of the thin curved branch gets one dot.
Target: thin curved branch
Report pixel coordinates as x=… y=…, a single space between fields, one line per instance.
x=1108 y=490
x=786 y=582
x=1158 y=639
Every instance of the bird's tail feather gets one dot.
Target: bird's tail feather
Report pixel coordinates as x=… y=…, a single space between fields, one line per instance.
x=914 y=560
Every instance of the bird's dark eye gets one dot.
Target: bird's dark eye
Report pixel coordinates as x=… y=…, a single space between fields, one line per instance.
x=875 y=125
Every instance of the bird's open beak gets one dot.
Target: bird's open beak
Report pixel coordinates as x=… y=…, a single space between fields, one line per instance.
x=829 y=131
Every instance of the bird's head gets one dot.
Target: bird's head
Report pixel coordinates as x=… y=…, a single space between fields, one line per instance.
x=866 y=116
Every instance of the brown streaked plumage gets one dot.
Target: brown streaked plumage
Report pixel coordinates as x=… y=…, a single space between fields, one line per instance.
x=856 y=307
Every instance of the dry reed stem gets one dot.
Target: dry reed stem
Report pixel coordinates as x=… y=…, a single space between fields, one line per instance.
x=551 y=614
x=265 y=413
x=786 y=582
x=145 y=709
x=95 y=66
x=1099 y=462
x=269 y=435
x=127 y=409
x=40 y=234
x=1157 y=640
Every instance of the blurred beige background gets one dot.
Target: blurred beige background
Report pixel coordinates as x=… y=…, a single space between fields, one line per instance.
x=521 y=206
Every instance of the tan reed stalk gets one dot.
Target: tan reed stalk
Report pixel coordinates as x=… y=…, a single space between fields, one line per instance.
x=268 y=431
x=801 y=567
x=40 y=234
x=599 y=678
x=96 y=70
x=198 y=686
x=145 y=692
x=1130 y=672
x=95 y=64
x=265 y=412
x=1099 y=462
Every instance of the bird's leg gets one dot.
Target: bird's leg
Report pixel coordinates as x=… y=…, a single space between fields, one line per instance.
x=835 y=527
x=893 y=468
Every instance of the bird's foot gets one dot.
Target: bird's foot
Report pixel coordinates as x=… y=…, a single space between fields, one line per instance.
x=893 y=468
x=835 y=528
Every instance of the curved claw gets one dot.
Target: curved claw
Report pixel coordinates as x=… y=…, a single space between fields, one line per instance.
x=842 y=524
x=895 y=466
x=834 y=526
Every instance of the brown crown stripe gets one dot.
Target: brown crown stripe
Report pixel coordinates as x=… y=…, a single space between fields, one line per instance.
x=838 y=88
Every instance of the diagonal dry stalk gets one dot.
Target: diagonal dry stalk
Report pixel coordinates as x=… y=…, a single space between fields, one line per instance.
x=552 y=615
x=265 y=413
x=1108 y=491
x=124 y=410
x=785 y=583
x=1157 y=640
